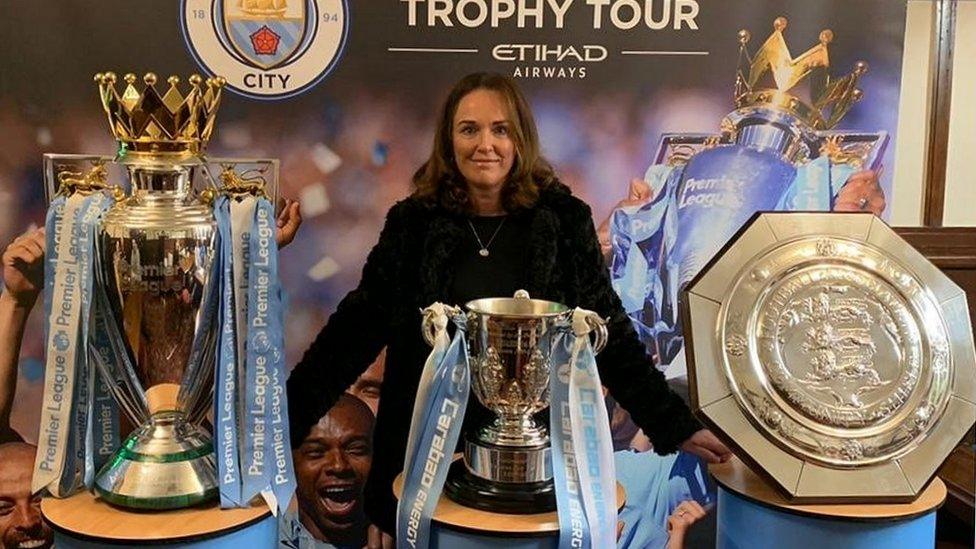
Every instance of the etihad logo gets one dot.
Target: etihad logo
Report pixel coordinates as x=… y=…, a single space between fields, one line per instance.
x=588 y=53
x=549 y=60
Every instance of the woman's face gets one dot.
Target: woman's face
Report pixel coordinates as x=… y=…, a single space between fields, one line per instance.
x=482 y=135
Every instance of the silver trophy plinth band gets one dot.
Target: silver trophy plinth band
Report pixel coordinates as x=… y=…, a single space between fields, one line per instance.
x=507 y=464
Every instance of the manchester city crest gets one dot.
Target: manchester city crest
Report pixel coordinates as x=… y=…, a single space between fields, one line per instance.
x=265 y=33
x=266 y=49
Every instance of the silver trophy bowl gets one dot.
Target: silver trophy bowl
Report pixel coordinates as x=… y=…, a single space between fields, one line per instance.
x=154 y=273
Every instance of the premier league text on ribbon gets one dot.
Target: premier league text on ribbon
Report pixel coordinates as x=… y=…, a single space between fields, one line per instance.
x=66 y=287
x=448 y=413
x=260 y=324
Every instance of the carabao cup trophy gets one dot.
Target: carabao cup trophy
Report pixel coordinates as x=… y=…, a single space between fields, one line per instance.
x=507 y=465
x=517 y=355
x=776 y=151
x=171 y=291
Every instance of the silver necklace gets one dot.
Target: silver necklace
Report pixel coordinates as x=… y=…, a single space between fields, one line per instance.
x=483 y=252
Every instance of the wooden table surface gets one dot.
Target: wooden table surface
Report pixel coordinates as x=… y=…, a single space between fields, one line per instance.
x=456 y=516
x=87 y=516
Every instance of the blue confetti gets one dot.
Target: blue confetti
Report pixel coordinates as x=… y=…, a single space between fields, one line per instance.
x=381 y=151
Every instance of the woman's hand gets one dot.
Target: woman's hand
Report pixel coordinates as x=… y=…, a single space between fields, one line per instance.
x=685 y=514
x=861 y=193
x=23 y=267
x=707 y=446
x=288 y=222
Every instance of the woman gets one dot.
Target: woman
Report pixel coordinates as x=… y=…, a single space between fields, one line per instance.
x=488 y=217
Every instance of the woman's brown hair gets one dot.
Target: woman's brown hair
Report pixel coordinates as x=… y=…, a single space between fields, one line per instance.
x=439 y=181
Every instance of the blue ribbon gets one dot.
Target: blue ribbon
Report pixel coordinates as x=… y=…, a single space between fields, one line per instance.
x=87 y=381
x=583 y=472
x=269 y=464
x=574 y=529
x=434 y=438
x=79 y=455
x=225 y=412
x=79 y=465
x=72 y=473
x=283 y=479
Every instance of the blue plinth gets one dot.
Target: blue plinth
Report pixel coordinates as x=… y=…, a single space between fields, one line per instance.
x=444 y=538
x=745 y=524
x=259 y=534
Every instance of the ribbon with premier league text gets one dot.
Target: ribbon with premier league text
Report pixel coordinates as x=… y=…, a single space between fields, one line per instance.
x=266 y=462
x=438 y=414
x=226 y=379
x=74 y=393
x=250 y=419
x=582 y=449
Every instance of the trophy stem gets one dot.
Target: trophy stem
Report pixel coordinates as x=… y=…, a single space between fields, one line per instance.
x=515 y=430
x=167 y=455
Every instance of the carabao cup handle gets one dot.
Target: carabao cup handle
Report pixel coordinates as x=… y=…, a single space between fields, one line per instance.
x=599 y=333
x=588 y=322
x=431 y=314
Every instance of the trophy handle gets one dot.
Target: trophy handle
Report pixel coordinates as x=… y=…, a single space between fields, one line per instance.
x=599 y=327
x=428 y=324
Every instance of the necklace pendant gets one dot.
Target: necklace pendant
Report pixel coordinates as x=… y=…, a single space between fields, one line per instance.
x=483 y=252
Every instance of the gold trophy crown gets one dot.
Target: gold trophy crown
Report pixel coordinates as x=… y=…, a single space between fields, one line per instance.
x=830 y=98
x=151 y=123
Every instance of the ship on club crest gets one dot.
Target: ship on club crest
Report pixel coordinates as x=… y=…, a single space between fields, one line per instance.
x=266 y=33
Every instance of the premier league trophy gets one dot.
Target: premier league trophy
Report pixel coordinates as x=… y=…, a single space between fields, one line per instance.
x=170 y=288
x=774 y=152
x=507 y=466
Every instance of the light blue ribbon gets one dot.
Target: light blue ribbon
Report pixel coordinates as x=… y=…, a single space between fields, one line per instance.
x=226 y=444
x=574 y=529
x=72 y=473
x=79 y=464
x=583 y=472
x=88 y=379
x=269 y=464
x=433 y=439
x=283 y=478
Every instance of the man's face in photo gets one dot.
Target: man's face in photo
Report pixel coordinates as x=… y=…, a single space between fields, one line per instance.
x=21 y=526
x=367 y=386
x=331 y=466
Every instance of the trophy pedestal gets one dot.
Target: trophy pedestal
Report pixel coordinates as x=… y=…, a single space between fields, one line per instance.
x=167 y=463
x=751 y=513
x=457 y=525
x=83 y=521
x=499 y=497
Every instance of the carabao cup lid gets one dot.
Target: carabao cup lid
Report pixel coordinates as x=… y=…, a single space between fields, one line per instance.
x=520 y=306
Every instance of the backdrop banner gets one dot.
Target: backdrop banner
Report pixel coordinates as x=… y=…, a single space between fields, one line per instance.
x=640 y=110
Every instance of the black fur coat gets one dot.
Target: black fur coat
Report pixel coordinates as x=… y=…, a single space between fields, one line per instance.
x=410 y=268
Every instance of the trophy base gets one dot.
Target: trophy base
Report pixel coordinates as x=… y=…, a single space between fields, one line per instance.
x=524 y=498
x=165 y=464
